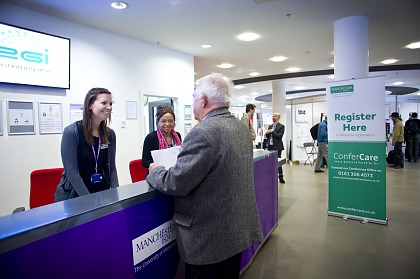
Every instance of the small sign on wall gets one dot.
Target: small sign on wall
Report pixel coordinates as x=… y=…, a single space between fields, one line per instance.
x=76 y=112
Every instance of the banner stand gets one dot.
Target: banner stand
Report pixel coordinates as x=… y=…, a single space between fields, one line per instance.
x=362 y=219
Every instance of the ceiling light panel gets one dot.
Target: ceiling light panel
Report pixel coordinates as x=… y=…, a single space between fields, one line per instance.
x=119 y=5
x=247 y=37
x=414 y=45
x=225 y=66
x=389 y=61
x=278 y=58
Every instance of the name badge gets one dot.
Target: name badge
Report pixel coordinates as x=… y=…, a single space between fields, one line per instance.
x=96 y=178
x=104 y=146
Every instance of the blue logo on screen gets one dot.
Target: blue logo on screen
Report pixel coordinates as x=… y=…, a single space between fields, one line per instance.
x=26 y=55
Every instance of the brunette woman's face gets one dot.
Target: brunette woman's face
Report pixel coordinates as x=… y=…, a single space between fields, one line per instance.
x=166 y=123
x=102 y=107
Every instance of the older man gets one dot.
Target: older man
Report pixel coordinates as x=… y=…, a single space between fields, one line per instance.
x=275 y=134
x=216 y=215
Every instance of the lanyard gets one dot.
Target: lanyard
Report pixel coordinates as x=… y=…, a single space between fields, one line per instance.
x=172 y=140
x=96 y=156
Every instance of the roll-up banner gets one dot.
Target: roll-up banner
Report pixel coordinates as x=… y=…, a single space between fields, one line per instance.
x=357 y=149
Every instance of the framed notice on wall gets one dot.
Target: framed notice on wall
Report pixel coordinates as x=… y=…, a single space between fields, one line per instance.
x=20 y=118
x=50 y=118
x=76 y=112
x=131 y=108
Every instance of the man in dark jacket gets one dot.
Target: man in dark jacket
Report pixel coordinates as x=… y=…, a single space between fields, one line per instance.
x=412 y=127
x=275 y=134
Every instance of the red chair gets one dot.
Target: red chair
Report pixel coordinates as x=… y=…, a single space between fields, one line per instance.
x=43 y=185
x=137 y=171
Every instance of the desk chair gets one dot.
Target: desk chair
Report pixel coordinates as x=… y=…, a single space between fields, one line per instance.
x=43 y=185
x=311 y=151
x=137 y=171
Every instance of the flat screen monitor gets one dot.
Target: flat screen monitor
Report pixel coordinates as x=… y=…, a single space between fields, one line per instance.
x=33 y=58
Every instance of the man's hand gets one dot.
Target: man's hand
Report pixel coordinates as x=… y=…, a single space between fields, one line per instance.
x=152 y=166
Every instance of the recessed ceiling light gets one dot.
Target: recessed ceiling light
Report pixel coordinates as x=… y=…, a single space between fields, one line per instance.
x=414 y=45
x=238 y=87
x=254 y=74
x=119 y=5
x=300 y=87
x=332 y=65
x=292 y=69
x=331 y=76
x=278 y=58
x=207 y=46
x=389 y=61
x=398 y=83
x=254 y=93
x=247 y=37
x=225 y=66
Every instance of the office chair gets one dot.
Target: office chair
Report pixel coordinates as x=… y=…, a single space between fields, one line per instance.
x=43 y=185
x=311 y=151
x=137 y=171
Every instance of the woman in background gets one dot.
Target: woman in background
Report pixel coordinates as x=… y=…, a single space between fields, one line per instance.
x=88 y=149
x=164 y=137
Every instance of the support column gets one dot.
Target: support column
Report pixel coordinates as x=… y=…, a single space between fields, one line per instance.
x=279 y=105
x=351 y=48
x=279 y=98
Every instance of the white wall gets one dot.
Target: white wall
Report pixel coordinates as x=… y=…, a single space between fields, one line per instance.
x=125 y=66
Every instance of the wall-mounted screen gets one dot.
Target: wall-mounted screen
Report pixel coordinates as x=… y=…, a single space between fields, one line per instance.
x=33 y=58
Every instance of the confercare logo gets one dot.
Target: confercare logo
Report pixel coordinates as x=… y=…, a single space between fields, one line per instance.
x=342 y=89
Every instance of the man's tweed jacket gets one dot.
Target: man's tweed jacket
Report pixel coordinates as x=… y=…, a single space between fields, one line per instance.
x=216 y=215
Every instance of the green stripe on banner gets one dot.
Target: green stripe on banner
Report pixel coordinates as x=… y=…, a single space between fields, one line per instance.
x=357 y=179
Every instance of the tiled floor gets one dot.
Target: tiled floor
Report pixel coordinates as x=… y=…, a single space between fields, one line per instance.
x=309 y=244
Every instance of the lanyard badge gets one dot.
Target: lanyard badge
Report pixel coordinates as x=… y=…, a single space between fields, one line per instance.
x=96 y=177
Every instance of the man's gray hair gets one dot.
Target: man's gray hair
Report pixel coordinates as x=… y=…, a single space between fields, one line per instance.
x=216 y=87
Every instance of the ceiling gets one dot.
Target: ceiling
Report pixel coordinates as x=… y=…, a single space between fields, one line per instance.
x=301 y=30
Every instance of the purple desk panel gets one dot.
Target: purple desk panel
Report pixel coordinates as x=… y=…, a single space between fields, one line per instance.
x=126 y=232
x=266 y=191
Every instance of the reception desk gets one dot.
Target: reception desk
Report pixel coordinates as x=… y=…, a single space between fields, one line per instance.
x=126 y=232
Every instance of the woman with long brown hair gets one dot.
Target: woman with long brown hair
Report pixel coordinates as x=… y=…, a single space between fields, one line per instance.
x=88 y=149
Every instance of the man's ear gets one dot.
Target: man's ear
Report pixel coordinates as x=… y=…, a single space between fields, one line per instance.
x=204 y=101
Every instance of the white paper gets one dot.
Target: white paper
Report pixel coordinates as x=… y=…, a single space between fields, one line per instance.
x=166 y=157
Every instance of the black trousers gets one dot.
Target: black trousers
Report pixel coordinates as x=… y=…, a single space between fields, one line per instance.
x=399 y=159
x=227 y=269
x=280 y=169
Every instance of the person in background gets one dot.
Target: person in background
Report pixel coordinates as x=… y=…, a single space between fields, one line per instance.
x=412 y=126
x=322 y=144
x=88 y=149
x=246 y=119
x=215 y=214
x=275 y=134
x=397 y=140
x=164 y=136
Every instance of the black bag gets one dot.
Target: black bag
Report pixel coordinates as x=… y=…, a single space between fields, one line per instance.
x=390 y=159
x=314 y=131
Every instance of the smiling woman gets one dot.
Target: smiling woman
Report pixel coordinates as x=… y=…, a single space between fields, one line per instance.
x=88 y=149
x=164 y=136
